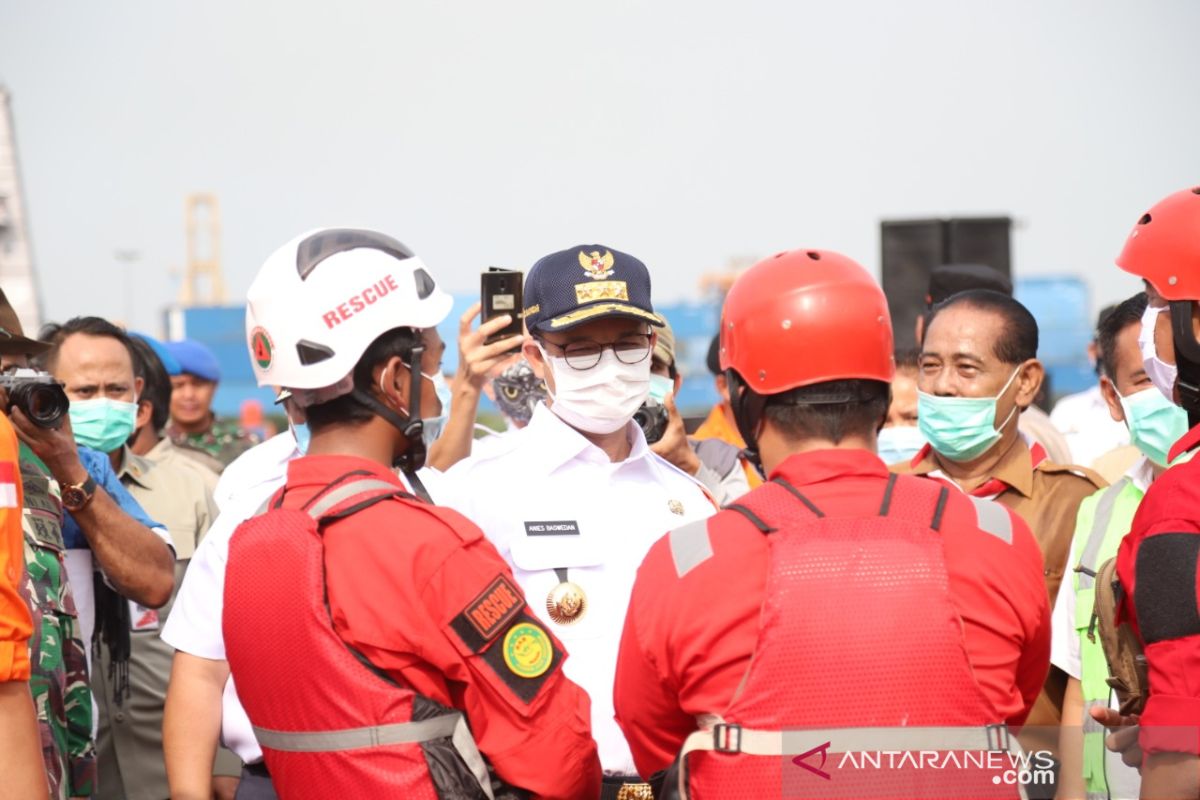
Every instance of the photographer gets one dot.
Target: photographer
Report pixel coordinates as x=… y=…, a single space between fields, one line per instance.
x=713 y=462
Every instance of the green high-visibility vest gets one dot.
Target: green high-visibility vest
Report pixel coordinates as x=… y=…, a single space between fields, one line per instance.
x=1102 y=522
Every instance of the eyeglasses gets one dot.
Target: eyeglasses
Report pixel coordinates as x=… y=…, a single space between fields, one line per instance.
x=632 y=348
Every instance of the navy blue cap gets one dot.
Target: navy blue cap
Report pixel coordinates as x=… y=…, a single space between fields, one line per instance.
x=196 y=359
x=586 y=283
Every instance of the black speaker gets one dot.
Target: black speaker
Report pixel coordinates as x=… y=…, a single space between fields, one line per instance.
x=910 y=249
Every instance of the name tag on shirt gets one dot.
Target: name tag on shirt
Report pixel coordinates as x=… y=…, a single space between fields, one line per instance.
x=552 y=528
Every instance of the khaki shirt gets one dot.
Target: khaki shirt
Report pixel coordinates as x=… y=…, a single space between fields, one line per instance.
x=1047 y=497
x=175 y=492
x=169 y=450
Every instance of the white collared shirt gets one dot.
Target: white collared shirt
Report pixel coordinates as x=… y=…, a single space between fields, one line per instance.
x=194 y=626
x=1085 y=422
x=549 y=499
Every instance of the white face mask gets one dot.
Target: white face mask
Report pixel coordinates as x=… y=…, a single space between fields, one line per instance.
x=598 y=400
x=1161 y=374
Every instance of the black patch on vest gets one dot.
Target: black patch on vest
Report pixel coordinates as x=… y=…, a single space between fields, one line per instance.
x=524 y=688
x=489 y=613
x=554 y=527
x=1164 y=592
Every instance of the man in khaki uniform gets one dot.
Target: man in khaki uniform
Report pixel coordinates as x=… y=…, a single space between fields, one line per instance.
x=93 y=353
x=978 y=371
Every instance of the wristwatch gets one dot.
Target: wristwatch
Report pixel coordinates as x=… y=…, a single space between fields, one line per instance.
x=76 y=496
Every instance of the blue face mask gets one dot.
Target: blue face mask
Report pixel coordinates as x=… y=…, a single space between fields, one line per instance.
x=660 y=387
x=102 y=424
x=1155 y=423
x=961 y=428
x=431 y=427
x=302 y=435
x=899 y=444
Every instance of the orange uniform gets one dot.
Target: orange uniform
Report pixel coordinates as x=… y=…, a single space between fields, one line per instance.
x=16 y=625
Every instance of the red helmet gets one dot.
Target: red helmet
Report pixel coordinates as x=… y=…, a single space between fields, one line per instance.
x=804 y=317
x=1164 y=246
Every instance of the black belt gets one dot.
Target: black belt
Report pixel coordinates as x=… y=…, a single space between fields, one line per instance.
x=258 y=768
x=625 y=787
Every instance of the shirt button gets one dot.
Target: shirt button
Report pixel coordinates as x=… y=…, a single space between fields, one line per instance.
x=119 y=716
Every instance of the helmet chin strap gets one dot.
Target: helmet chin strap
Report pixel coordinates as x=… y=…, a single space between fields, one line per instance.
x=413 y=457
x=1187 y=359
x=747 y=406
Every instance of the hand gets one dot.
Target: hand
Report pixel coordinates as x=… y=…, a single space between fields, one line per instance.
x=477 y=360
x=1123 y=738
x=54 y=446
x=674 y=445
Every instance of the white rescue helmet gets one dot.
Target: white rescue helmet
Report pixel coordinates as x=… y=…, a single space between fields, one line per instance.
x=319 y=301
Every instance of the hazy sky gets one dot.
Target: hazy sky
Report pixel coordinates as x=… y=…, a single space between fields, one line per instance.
x=683 y=132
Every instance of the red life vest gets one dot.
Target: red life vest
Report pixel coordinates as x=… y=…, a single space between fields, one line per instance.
x=330 y=724
x=858 y=637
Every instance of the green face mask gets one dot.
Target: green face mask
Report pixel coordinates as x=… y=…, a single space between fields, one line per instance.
x=961 y=428
x=1155 y=423
x=102 y=424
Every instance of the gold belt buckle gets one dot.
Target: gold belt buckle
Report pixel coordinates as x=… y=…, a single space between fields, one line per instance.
x=635 y=791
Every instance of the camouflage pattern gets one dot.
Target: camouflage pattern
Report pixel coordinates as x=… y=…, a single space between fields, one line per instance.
x=224 y=441
x=59 y=682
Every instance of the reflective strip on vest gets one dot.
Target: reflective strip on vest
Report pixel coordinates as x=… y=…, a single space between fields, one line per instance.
x=359 y=738
x=773 y=744
x=993 y=518
x=425 y=730
x=1112 y=510
x=346 y=491
x=690 y=546
x=1089 y=558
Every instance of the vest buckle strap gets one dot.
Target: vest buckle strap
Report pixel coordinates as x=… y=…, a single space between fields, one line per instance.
x=1000 y=743
x=727 y=738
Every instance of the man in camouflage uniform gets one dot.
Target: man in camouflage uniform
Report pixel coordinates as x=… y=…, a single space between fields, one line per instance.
x=59 y=682
x=193 y=423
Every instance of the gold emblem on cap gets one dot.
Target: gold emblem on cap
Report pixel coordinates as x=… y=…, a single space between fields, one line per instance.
x=676 y=507
x=603 y=290
x=598 y=267
x=566 y=603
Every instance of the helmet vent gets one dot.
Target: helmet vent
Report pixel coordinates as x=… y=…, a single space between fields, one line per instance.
x=323 y=244
x=312 y=353
x=1145 y=220
x=425 y=284
x=814 y=255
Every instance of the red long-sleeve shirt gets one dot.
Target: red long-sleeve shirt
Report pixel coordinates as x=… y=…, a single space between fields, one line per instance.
x=1157 y=567
x=684 y=651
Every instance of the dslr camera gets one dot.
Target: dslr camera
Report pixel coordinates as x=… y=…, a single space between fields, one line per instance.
x=39 y=396
x=652 y=418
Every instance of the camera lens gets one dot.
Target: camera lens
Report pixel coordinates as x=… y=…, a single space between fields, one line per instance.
x=44 y=403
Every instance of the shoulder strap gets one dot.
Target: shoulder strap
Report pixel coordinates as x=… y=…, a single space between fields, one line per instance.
x=371 y=490
x=939 y=508
x=765 y=527
x=799 y=496
x=1088 y=558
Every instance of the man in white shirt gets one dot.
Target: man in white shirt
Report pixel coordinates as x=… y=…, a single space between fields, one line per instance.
x=575 y=499
x=1083 y=418
x=202 y=702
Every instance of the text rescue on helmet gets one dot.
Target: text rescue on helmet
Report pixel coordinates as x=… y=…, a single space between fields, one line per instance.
x=359 y=302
